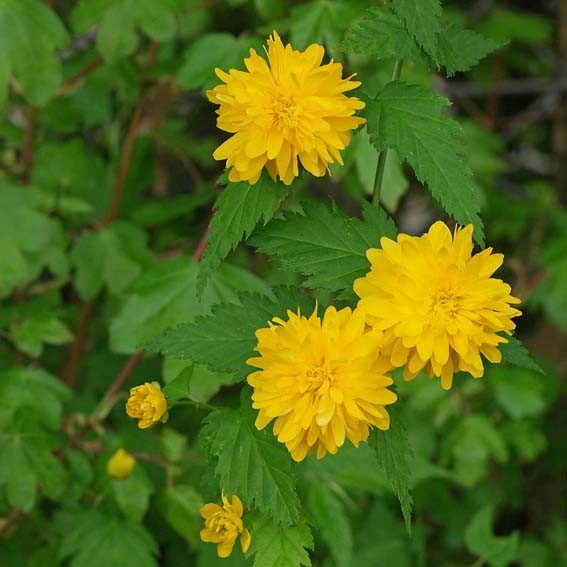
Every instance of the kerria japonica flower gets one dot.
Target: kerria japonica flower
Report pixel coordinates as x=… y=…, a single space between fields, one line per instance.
x=120 y=465
x=147 y=403
x=287 y=110
x=436 y=303
x=223 y=525
x=322 y=381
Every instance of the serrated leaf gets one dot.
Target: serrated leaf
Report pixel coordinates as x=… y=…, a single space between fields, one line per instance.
x=423 y=21
x=331 y=519
x=409 y=118
x=238 y=210
x=513 y=352
x=94 y=538
x=31 y=332
x=460 y=49
x=324 y=244
x=278 y=546
x=381 y=34
x=224 y=340
x=497 y=551
x=30 y=32
x=251 y=464
x=166 y=295
x=395 y=457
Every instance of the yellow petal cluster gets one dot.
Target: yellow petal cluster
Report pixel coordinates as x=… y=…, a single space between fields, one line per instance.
x=120 y=465
x=146 y=403
x=436 y=303
x=322 y=381
x=288 y=110
x=224 y=524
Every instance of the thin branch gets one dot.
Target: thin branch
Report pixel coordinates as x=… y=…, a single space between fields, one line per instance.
x=73 y=82
x=77 y=347
x=10 y=520
x=27 y=148
x=202 y=245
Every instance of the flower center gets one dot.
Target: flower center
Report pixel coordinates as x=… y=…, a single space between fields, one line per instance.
x=319 y=379
x=445 y=303
x=284 y=111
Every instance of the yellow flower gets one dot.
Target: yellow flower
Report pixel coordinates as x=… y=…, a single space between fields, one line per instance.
x=322 y=381
x=287 y=109
x=224 y=525
x=437 y=304
x=146 y=403
x=120 y=465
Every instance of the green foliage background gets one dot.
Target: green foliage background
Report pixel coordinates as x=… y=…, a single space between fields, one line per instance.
x=107 y=187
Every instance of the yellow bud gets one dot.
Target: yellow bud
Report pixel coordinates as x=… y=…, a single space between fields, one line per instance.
x=120 y=465
x=146 y=403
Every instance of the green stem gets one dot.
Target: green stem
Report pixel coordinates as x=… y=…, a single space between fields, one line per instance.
x=381 y=167
x=196 y=405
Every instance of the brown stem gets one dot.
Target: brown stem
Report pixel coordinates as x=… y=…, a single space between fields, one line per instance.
x=72 y=82
x=201 y=247
x=76 y=349
x=124 y=374
x=9 y=521
x=27 y=149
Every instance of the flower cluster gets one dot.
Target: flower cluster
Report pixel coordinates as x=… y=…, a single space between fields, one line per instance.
x=322 y=381
x=147 y=404
x=436 y=304
x=288 y=110
x=223 y=525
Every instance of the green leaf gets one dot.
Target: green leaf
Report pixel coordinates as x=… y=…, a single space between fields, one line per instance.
x=277 y=546
x=460 y=49
x=331 y=520
x=395 y=457
x=238 y=210
x=513 y=352
x=251 y=463
x=113 y=257
x=95 y=538
x=325 y=244
x=380 y=33
x=32 y=391
x=210 y=51
x=423 y=21
x=132 y=494
x=26 y=460
x=31 y=332
x=321 y=21
x=409 y=119
x=180 y=505
x=224 y=340
x=30 y=32
x=174 y=444
x=166 y=295
x=497 y=551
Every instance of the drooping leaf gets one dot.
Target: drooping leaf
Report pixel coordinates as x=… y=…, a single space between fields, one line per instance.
x=460 y=49
x=423 y=21
x=132 y=494
x=409 y=118
x=224 y=340
x=30 y=32
x=497 y=551
x=180 y=505
x=395 y=457
x=380 y=33
x=94 y=538
x=251 y=463
x=238 y=210
x=325 y=244
x=279 y=546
